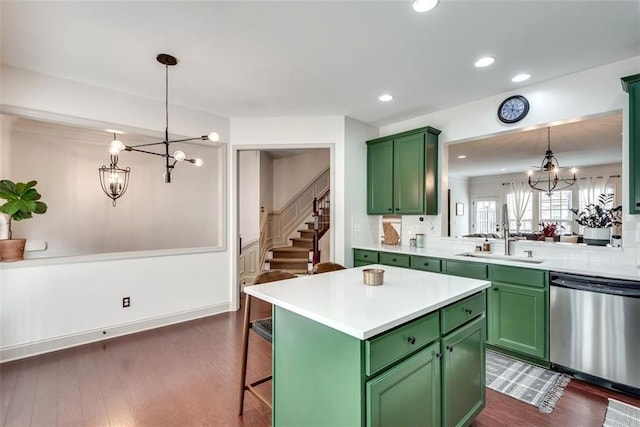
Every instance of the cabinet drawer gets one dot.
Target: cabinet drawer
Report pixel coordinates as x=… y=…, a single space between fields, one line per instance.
x=519 y=276
x=397 y=260
x=474 y=270
x=426 y=264
x=462 y=311
x=392 y=346
x=363 y=255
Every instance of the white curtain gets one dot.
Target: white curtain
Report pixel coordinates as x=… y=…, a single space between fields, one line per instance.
x=521 y=198
x=590 y=188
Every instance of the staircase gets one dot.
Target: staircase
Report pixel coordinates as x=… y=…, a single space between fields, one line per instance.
x=296 y=257
x=300 y=256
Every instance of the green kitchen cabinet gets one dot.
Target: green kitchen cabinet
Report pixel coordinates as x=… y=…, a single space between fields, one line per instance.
x=363 y=257
x=424 y=263
x=394 y=259
x=518 y=311
x=463 y=373
x=631 y=85
x=407 y=394
x=473 y=270
x=402 y=173
x=414 y=374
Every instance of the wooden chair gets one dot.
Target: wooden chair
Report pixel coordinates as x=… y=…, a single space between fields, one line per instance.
x=325 y=267
x=263 y=328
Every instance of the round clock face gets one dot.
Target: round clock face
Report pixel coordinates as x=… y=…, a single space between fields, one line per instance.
x=513 y=109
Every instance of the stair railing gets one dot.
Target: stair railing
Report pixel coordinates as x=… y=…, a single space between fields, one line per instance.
x=321 y=222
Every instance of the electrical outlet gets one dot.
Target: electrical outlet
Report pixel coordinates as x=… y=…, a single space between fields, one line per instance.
x=126 y=302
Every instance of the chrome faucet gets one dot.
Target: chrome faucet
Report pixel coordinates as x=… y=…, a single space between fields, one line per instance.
x=529 y=253
x=508 y=242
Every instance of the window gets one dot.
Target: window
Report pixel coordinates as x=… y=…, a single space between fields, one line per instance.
x=556 y=208
x=526 y=222
x=485 y=214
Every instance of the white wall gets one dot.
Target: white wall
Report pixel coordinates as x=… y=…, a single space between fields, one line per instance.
x=460 y=194
x=46 y=306
x=266 y=181
x=249 y=185
x=293 y=173
x=359 y=224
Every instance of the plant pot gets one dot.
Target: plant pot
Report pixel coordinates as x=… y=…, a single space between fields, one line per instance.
x=12 y=249
x=597 y=236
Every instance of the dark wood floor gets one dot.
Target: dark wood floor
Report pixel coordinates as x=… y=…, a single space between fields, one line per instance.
x=187 y=375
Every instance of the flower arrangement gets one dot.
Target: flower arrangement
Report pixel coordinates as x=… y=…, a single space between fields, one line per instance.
x=549 y=229
x=597 y=215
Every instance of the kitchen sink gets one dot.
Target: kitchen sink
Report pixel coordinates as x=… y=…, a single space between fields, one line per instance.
x=502 y=257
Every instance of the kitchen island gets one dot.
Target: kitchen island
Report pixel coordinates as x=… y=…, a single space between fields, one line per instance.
x=409 y=352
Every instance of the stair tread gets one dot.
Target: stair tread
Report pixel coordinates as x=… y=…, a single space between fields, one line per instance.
x=290 y=249
x=300 y=260
x=302 y=239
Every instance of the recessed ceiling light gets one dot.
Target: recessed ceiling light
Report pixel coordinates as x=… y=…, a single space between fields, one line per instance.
x=424 y=5
x=462 y=157
x=520 y=78
x=485 y=61
x=385 y=98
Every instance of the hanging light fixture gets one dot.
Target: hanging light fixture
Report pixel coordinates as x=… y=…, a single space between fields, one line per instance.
x=114 y=180
x=549 y=177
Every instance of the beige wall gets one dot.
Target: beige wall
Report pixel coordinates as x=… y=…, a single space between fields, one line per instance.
x=81 y=220
x=291 y=174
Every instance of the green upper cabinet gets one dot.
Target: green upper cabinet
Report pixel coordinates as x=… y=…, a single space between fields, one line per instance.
x=631 y=85
x=402 y=173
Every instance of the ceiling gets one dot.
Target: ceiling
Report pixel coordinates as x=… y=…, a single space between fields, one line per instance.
x=316 y=58
x=597 y=141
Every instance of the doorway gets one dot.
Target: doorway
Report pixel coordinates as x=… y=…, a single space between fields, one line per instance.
x=485 y=214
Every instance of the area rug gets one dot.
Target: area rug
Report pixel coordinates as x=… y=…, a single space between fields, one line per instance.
x=536 y=386
x=620 y=414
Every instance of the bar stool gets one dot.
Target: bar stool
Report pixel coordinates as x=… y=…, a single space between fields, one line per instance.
x=263 y=328
x=325 y=267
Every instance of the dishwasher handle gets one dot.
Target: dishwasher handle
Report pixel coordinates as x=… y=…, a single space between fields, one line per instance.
x=598 y=286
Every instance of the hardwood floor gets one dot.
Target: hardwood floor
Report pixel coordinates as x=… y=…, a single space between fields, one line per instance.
x=187 y=375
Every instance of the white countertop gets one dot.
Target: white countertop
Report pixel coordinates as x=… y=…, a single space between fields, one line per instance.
x=343 y=302
x=596 y=265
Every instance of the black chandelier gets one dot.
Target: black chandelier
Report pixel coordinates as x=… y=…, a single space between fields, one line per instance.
x=549 y=178
x=115 y=180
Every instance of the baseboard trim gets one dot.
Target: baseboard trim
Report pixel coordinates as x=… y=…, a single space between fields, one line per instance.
x=35 y=348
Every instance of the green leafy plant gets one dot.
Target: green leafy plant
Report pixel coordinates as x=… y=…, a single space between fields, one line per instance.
x=22 y=201
x=598 y=215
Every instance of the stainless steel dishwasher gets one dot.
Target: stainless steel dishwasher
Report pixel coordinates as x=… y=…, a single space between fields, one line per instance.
x=594 y=327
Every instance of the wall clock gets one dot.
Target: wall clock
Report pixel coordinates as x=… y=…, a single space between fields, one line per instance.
x=513 y=109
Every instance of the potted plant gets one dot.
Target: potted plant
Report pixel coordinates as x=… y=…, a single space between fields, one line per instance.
x=598 y=219
x=22 y=201
x=549 y=230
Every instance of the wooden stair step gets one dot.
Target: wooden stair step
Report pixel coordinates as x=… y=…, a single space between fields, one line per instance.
x=289 y=264
x=290 y=252
x=302 y=242
x=306 y=233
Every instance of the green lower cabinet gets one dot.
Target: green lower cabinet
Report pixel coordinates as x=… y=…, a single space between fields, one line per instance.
x=408 y=394
x=394 y=259
x=518 y=319
x=463 y=374
x=473 y=270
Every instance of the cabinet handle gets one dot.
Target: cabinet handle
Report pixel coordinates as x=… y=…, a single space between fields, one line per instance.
x=450 y=348
x=390 y=210
x=638 y=205
x=411 y=340
x=393 y=260
x=426 y=264
x=468 y=311
x=365 y=256
x=439 y=355
x=496 y=289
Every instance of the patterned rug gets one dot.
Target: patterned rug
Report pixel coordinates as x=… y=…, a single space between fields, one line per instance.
x=536 y=386
x=620 y=414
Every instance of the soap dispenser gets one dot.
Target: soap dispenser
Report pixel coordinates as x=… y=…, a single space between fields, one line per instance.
x=486 y=247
